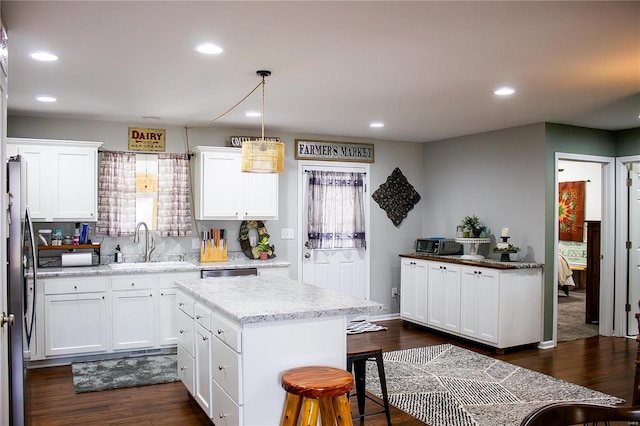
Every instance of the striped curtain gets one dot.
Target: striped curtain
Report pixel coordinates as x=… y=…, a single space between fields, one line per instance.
x=174 y=202
x=336 y=210
x=116 y=194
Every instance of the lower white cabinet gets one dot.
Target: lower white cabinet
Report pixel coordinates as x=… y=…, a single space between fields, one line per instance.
x=75 y=316
x=132 y=314
x=203 y=381
x=102 y=314
x=413 y=283
x=498 y=307
x=443 y=296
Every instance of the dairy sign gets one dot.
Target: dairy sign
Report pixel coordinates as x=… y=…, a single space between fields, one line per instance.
x=334 y=151
x=151 y=140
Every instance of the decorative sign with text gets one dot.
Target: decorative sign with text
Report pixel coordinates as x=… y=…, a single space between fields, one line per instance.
x=334 y=151
x=152 y=140
x=236 y=141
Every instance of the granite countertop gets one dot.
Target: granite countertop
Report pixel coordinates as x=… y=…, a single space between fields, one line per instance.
x=486 y=263
x=253 y=299
x=155 y=267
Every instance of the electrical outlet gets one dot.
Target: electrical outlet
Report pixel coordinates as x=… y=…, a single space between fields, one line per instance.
x=394 y=292
x=286 y=234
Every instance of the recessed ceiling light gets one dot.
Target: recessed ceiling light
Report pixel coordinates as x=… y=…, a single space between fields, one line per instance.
x=253 y=114
x=504 y=91
x=46 y=98
x=376 y=124
x=43 y=56
x=209 y=49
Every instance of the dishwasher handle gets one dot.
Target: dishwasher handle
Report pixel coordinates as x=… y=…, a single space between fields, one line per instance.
x=214 y=273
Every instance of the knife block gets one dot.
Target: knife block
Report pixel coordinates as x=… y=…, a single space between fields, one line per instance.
x=213 y=253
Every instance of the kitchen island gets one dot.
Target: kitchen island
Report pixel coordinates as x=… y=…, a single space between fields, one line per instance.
x=238 y=334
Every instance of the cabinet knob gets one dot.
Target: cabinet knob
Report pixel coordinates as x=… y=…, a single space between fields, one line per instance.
x=198 y=316
x=75 y=287
x=181 y=331
x=204 y=338
x=222 y=415
x=220 y=331
x=180 y=304
x=133 y=284
x=221 y=367
x=183 y=368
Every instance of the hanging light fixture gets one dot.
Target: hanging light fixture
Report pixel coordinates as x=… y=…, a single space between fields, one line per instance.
x=260 y=155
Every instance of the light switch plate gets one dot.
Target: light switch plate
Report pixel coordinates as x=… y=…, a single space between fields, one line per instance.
x=287 y=234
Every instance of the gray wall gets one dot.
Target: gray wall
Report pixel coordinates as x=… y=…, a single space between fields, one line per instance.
x=386 y=241
x=498 y=176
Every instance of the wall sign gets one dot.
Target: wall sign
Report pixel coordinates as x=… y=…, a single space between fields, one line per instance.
x=236 y=141
x=142 y=139
x=334 y=151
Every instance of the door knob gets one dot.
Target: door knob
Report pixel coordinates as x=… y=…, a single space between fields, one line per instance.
x=6 y=319
x=307 y=255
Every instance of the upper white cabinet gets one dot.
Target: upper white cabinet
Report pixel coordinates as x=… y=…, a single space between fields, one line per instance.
x=62 y=178
x=223 y=192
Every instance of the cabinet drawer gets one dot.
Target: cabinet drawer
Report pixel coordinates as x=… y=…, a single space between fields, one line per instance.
x=186 y=369
x=74 y=285
x=202 y=315
x=226 y=369
x=185 y=332
x=225 y=411
x=185 y=303
x=132 y=282
x=226 y=331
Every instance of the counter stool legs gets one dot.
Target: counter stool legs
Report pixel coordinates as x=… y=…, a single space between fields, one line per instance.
x=357 y=356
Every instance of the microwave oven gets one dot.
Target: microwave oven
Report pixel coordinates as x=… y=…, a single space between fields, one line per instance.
x=437 y=246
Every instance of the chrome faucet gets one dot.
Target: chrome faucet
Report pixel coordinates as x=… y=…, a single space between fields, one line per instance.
x=136 y=239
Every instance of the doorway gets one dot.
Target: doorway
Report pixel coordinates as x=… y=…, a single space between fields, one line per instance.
x=339 y=268
x=599 y=215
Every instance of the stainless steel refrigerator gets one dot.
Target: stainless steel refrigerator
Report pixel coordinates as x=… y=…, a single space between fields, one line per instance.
x=20 y=291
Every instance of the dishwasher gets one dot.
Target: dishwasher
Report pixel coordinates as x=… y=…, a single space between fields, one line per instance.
x=214 y=273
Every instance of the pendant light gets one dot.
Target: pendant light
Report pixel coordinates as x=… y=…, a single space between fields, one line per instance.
x=260 y=155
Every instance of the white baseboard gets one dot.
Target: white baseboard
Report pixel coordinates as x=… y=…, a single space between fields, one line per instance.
x=547 y=344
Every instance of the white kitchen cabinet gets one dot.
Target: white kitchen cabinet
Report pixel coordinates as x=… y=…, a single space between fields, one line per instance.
x=413 y=290
x=132 y=315
x=479 y=298
x=500 y=307
x=62 y=178
x=443 y=296
x=186 y=341
x=75 y=315
x=223 y=192
x=202 y=358
x=165 y=306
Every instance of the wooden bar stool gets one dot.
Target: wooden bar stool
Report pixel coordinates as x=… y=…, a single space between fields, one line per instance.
x=313 y=390
x=358 y=353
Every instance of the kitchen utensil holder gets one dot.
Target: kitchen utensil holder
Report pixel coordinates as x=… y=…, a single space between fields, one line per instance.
x=212 y=253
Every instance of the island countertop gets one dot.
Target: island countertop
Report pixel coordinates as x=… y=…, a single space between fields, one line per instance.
x=251 y=299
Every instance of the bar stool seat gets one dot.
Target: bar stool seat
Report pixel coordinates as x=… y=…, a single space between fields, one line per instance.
x=358 y=353
x=317 y=390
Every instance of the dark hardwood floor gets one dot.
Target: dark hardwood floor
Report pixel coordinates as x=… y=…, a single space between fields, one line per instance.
x=605 y=364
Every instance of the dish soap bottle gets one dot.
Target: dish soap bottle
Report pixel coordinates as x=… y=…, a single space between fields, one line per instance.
x=118 y=255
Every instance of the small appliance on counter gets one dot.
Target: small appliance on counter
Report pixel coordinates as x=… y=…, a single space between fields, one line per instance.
x=437 y=245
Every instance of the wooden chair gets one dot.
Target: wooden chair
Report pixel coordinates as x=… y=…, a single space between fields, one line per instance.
x=573 y=413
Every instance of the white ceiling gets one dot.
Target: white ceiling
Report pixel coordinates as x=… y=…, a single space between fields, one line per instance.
x=426 y=69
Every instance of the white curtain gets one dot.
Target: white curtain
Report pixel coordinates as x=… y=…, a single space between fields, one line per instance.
x=116 y=194
x=336 y=210
x=174 y=204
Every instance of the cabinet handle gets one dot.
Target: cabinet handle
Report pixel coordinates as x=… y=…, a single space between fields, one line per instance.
x=222 y=415
x=221 y=367
x=183 y=368
x=161 y=294
x=204 y=337
x=198 y=316
x=220 y=331
x=133 y=285
x=151 y=295
x=181 y=331
x=180 y=304
x=102 y=297
x=75 y=287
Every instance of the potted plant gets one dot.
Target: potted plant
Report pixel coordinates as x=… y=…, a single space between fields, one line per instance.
x=474 y=224
x=264 y=248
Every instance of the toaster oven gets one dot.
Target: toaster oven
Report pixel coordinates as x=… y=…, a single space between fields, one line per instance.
x=437 y=246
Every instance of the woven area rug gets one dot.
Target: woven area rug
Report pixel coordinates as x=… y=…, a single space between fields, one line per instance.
x=361 y=326
x=446 y=385
x=124 y=372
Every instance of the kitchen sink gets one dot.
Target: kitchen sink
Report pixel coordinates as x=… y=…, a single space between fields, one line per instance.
x=151 y=265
